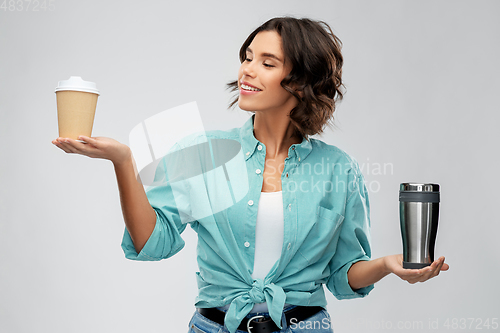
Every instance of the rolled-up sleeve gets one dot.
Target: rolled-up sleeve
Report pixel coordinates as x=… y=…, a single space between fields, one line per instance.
x=354 y=239
x=165 y=240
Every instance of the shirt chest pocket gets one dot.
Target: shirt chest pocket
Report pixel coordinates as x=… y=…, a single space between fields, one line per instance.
x=322 y=238
x=331 y=216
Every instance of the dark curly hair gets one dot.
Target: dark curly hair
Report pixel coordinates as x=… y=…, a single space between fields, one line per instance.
x=314 y=53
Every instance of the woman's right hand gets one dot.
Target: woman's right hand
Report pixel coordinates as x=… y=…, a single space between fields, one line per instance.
x=98 y=147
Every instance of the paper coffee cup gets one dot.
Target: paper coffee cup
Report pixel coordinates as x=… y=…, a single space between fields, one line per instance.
x=76 y=104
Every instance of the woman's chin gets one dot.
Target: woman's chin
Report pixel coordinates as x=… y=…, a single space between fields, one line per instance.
x=245 y=106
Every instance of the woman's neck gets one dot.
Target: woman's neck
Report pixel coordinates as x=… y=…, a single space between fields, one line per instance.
x=276 y=132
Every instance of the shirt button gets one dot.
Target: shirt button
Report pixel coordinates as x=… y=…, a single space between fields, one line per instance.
x=287 y=175
x=258 y=171
x=289 y=246
x=247 y=244
x=250 y=202
x=248 y=153
x=299 y=159
x=259 y=147
x=293 y=148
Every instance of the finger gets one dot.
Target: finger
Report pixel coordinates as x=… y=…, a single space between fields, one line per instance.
x=444 y=266
x=68 y=146
x=60 y=146
x=439 y=267
x=63 y=145
x=69 y=149
x=436 y=266
x=75 y=143
x=71 y=146
x=88 y=148
x=432 y=271
x=429 y=275
x=87 y=139
x=71 y=141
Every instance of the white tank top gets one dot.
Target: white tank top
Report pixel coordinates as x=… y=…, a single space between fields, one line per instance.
x=269 y=231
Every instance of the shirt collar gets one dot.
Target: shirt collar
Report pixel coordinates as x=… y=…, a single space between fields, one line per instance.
x=249 y=143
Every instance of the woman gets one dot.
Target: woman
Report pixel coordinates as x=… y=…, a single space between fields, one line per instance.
x=264 y=260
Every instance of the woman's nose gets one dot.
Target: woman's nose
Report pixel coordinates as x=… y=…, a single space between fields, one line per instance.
x=247 y=69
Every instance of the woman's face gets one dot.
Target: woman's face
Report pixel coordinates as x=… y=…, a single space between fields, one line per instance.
x=260 y=76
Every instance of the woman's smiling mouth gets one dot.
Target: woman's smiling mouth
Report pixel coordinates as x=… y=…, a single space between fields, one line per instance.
x=248 y=89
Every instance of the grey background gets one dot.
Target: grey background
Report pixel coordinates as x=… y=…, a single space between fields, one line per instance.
x=421 y=78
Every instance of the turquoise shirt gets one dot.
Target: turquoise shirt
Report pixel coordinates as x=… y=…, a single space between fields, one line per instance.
x=326 y=221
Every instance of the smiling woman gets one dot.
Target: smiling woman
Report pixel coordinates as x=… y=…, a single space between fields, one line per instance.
x=308 y=56
x=265 y=260
x=260 y=77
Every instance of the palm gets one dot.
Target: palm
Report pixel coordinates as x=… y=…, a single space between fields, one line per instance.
x=394 y=265
x=98 y=147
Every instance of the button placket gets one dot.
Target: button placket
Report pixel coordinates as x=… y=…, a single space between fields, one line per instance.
x=256 y=163
x=290 y=227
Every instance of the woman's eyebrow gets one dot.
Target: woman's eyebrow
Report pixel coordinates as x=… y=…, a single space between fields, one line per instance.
x=266 y=54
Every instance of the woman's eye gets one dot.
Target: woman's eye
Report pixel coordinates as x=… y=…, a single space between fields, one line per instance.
x=268 y=65
x=248 y=59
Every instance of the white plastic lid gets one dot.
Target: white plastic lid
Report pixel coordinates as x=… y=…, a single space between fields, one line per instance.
x=75 y=83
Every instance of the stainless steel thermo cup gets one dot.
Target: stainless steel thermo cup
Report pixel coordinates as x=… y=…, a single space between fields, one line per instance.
x=418 y=214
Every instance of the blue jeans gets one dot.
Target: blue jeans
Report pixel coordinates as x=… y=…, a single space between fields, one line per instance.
x=318 y=323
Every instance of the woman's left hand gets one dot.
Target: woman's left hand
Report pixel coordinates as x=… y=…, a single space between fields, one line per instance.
x=394 y=264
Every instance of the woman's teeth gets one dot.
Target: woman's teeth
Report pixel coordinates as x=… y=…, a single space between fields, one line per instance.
x=245 y=87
